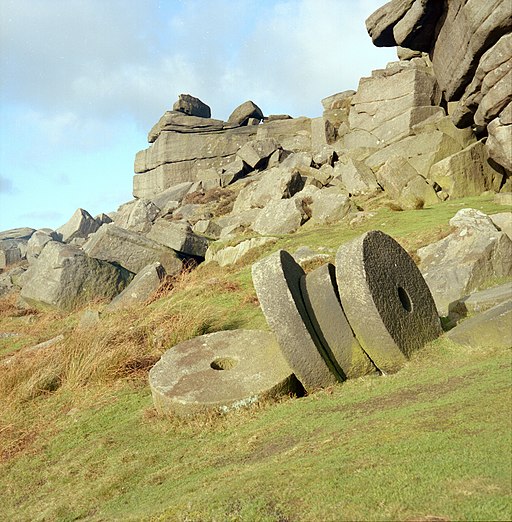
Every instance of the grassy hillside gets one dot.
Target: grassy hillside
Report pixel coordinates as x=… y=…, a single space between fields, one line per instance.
x=79 y=438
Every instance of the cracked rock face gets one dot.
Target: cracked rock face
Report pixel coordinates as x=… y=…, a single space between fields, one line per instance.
x=471 y=52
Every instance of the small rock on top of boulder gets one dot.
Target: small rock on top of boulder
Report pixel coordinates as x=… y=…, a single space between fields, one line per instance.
x=192 y=106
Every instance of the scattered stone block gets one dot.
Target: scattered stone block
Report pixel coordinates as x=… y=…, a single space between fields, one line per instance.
x=329 y=205
x=142 y=287
x=137 y=215
x=207 y=228
x=503 y=221
x=174 y=193
x=231 y=254
x=281 y=216
x=489 y=329
x=65 y=277
x=482 y=300
x=255 y=153
x=321 y=298
x=81 y=225
x=17 y=233
x=221 y=371
x=474 y=253
x=276 y=279
x=179 y=236
x=130 y=250
x=304 y=255
x=466 y=173
x=36 y=243
x=386 y=300
x=356 y=177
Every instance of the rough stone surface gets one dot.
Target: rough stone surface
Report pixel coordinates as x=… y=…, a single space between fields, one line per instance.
x=276 y=183
x=503 y=221
x=231 y=254
x=461 y=262
x=137 y=215
x=482 y=300
x=329 y=206
x=356 y=177
x=179 y=236
x=403 y=184
x=304 y=255
x=221 y=371
x=180 y=122
x=36 y=243
x=256 y=152
x=276 y=279
x=240 y=116
x=293 y=135
x=192 y=106
x=500 y=137
x=281 y=216
x=385 y=298
x=466 y=173
x=143 y=286
x=321 y=298
x=65 y=277
x=130 y=250
x=489 y=329
x=9 y=255
x=80 y=225
x=17 y=233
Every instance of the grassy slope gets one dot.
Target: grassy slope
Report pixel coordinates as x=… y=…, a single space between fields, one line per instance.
x=432 y=440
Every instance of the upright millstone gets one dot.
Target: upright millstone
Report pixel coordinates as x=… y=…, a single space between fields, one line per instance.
x=276 y=279
x=320 y=293
x=385 y=298
x=220 y=371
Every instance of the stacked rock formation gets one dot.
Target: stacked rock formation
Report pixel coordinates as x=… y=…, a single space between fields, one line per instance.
x=470 y=46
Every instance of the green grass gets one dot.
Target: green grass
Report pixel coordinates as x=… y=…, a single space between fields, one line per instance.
x=432 y=440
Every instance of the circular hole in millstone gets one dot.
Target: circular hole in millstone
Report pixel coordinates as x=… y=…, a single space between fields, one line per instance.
x=404 y=299
x=223 y=363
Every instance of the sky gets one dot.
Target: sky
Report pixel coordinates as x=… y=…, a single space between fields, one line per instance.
x=83 y=81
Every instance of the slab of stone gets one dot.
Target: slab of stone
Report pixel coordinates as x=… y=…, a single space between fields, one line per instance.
x=137 y=215
x=293 y=135
x=181 y=122
x=473 y=254
x=81 y=224
x=329 y=205
x=231 y=254
x=321 y=297
x=36 y=243
x=256 y=152
x=9 y=256
x=385 y=298
x=179 y=236
x=466 y=173
x=130 y=250
x=17 y=233
x=304 y=255
x=276 y=279
x=221 y=371
x=142 y=287
x=192 y=106
x=489 y=329
x=483 y=300
x=503 y=221
x=356 y=177
x=281 y=216
x=65 y=277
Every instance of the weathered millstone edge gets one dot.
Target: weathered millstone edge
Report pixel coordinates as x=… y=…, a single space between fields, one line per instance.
x=219 y=372
x=321 y=298
x=276 y=279
x=385 y=298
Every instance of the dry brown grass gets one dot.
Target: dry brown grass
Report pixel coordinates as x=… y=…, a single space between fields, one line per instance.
x=223 y=197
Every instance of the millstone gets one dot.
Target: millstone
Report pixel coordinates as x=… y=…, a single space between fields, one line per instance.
x=220 y=371
x=276 y=279
x=385 y=298
x=320 y=293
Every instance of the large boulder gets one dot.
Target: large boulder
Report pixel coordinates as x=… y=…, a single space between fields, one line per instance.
x=276 y=183
x=142 y=287
x=241 y=115
x=191 y=106
x=229 y=255
x=179 y=236
x=329 y=206
x=466 y=173
x=137 y=215
x=80 y=225
x=130 y=250
x=403 y=184
x=65 y=277
x=37 y=242
x=356 y=177
x=281 y=216
x=179 y=122
x=473 y=254
x=256 y=152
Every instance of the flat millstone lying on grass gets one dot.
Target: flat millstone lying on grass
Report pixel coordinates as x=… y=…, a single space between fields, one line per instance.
x=276 y=279
x=320 y=293
x=385 y=299
x=220 y=371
